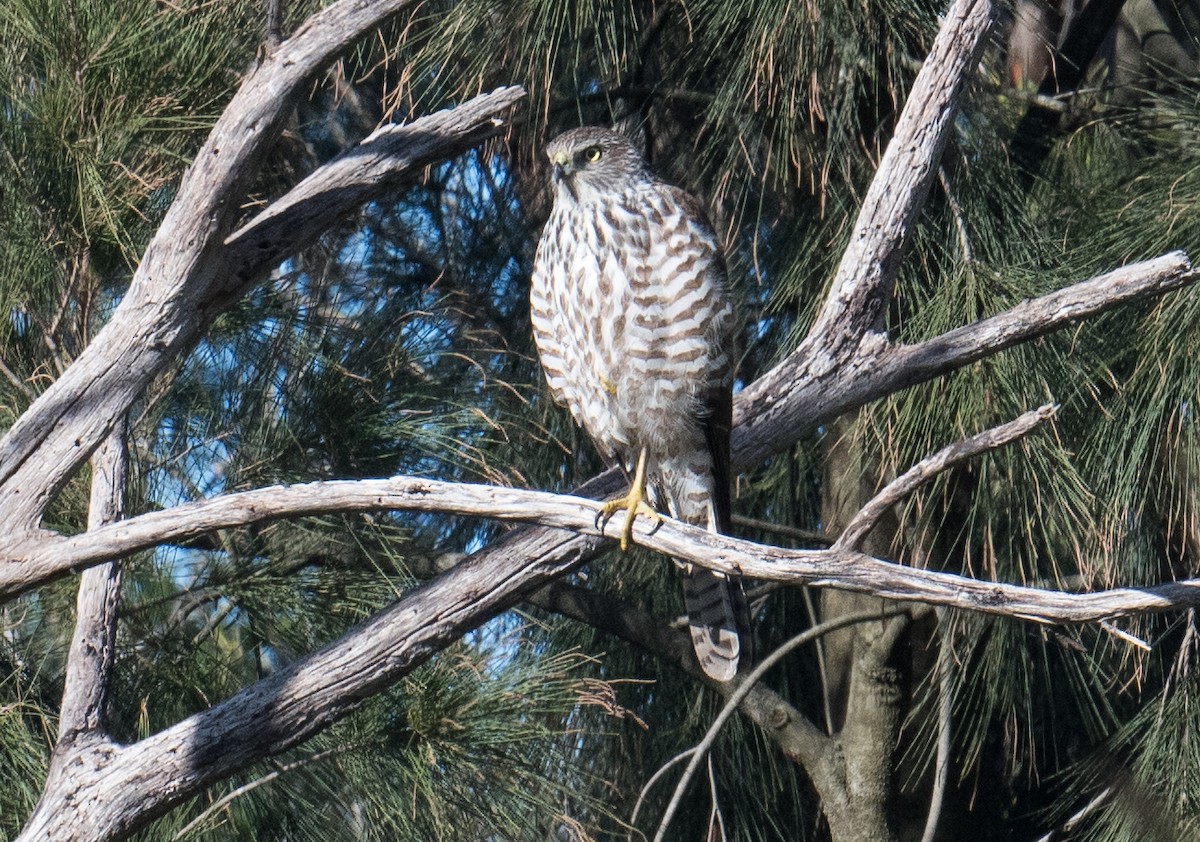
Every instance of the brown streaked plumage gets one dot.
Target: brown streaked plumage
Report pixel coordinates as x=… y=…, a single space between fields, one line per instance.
x=634 y=326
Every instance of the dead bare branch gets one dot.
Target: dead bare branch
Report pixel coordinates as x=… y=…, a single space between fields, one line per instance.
x=195 y=266
x=93 y=647
x=188 y=274
x=837 y=566
x=388 y=156
x=83 y=743
x=929 y=467
x=789 y=397
x=846 y=332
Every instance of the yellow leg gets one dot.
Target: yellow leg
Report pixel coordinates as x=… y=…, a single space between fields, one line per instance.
x=633 y=504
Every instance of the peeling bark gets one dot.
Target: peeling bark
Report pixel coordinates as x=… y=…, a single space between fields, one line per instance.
x=197 y=264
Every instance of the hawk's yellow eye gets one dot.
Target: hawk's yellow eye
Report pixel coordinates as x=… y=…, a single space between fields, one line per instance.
x=592 y=154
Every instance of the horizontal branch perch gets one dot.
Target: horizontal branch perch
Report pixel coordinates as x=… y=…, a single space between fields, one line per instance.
x=843 y=568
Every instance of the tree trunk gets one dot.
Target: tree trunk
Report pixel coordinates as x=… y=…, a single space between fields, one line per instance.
x=867 y=685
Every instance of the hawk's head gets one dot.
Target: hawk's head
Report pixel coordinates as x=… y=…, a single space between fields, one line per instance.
x=592 y=162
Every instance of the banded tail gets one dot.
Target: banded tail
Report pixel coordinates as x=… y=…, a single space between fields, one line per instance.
x=717 y=613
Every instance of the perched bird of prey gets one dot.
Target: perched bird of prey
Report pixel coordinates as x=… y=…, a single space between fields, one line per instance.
x=635 y=330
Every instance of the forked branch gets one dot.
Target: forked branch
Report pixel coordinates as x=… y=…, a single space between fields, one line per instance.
x=37 y=558
x=189 y=273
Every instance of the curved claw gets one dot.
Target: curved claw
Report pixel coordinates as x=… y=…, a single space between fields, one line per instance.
x=633 y=504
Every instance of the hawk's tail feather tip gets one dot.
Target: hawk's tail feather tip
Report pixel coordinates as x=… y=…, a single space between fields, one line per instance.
x=715 y=622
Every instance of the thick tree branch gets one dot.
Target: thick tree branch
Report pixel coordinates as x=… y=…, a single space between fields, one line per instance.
x=766 y=416
x=93 y=646
x=83 y=742
x=836 y=566
x=863 y=282
x=850 y=317
x=187 y=274
x=122 y=789
x=1038 y=317
x=144 y=780
x=390 y=155
x=844 y=362
x=125 y=787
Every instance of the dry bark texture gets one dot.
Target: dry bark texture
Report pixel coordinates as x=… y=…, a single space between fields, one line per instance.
x=197 y=264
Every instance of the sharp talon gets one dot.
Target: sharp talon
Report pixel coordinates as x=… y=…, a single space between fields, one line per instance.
x=633 y=504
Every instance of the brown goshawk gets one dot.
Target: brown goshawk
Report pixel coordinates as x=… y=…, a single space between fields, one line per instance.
x=635 y=328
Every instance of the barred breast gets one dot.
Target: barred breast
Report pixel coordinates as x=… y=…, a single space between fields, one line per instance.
x=634 y=327
x=632 y=321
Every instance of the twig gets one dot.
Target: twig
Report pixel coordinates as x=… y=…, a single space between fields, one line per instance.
x=822 y=665
x=714 y=812
x=20 y=384
x=214 y=621
x=1121 y=634
x=662 y=770
x=745 y=685
x=238 y=792
x=1071 y=823
x=960 y=222
x=807 y=536
x=941 y=771
x=929 y=467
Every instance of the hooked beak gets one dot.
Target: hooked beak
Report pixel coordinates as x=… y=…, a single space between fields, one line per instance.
x=561 y=164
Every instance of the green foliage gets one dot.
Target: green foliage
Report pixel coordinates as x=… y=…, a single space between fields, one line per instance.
x=27 y=728
x=399 y=343
x=459 y=749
